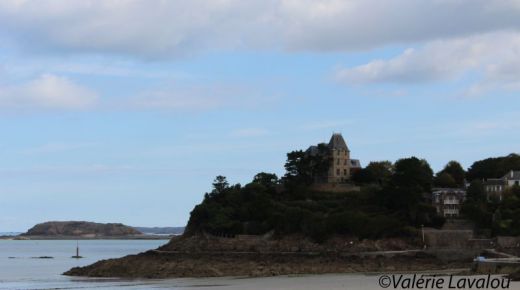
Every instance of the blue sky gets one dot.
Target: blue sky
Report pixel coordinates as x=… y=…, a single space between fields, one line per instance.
x=125 y=111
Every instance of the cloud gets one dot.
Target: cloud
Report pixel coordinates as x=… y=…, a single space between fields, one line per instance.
x=47 y=92
x=493 y=58
x=164 y=29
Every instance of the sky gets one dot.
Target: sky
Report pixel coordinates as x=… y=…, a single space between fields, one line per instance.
x=126 y=110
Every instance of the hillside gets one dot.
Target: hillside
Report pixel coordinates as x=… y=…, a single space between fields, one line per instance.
x=81 y=229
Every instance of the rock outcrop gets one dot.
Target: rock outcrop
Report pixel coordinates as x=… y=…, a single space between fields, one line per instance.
x=199 y=256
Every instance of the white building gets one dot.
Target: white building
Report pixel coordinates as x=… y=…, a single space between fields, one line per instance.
x=496 y=186
x=448 y=201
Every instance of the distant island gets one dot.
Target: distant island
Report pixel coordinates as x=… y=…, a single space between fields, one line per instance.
x=81 y=229
x=63 y=230
x=328 y=214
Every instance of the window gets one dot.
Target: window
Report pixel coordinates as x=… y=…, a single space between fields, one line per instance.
x=337 y=161
x=345 y=172
x=517 y=183
x=345 y=161
x=337 y=172
x=338 y=152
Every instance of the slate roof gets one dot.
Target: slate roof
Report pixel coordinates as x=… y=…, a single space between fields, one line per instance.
x=355 y=163
x=494 y=181
x=312 y=150
x=512 y=175
x=337 y=142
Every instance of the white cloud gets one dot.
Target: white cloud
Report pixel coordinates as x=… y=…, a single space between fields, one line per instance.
x=47 y=92
x=157 y=29
x=494 y=58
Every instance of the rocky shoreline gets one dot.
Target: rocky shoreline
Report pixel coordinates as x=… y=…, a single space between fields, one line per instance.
x=211 y=257
x=158 y=265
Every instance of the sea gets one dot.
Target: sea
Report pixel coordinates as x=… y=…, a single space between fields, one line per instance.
x=39 y=264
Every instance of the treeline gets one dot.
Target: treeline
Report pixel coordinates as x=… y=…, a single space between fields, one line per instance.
x=288 y=205
x=394 y=200
x=453 y=174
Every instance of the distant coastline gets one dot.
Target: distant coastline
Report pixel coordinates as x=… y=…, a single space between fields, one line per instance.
x=83 y=230
x=138 y=237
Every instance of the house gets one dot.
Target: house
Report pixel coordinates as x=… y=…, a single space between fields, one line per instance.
x=448 y=201
x=496 y=186
x=341 y=166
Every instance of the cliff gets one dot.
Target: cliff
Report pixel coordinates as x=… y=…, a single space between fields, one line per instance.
x=81 y=229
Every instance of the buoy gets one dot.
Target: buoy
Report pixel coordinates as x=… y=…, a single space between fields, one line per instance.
x=77 y=252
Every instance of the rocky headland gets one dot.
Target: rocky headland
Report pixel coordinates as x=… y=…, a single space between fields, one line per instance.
x=208 y=256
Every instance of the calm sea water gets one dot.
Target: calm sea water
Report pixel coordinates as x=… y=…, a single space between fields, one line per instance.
x=21 y=269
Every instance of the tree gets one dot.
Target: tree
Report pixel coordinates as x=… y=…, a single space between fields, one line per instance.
x=493 y=167
x=219 y=185
x=455 y=170
x=476 y=192
x=413 y=172
x=377 y=172
x=302 y=167
x=444 y=179
x=266 y=179
x=297 y=167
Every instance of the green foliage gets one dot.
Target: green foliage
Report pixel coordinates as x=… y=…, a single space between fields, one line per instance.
x=444 y=179
x=219 y=185
x=454 y=170
x=493 y=167
x=375 y=173
x=391 y=201
x=266 y=179
x=413 y=173
x=302 y=168
x=502 y=217
x=476 y=192
x=258 y=208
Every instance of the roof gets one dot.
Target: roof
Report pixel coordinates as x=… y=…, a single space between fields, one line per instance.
x=445 y=190
x=443 y=193
x=494 y=181
x=512 y=175
x=354 y=163
x=337 y=142
x=312 y=150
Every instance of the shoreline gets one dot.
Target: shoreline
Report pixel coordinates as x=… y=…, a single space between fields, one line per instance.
x=69 y=238
x=209 y=256
x=153 y=265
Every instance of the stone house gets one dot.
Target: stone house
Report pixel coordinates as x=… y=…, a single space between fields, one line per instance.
x=341 y=166
x=496 y=186
x=448 y=201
